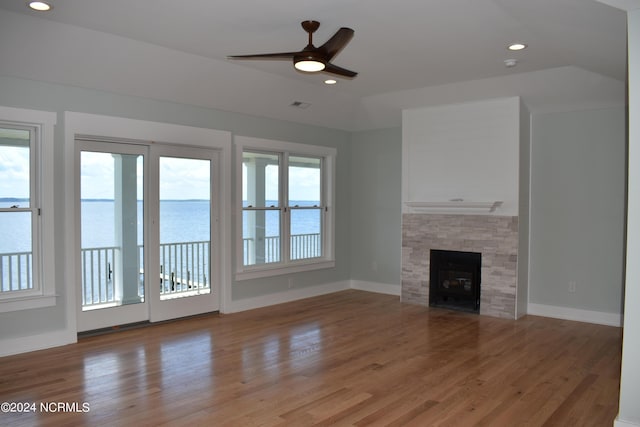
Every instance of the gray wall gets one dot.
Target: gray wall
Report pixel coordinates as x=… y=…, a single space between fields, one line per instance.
x=20 y=93
x=577 y=209
x=375 y=226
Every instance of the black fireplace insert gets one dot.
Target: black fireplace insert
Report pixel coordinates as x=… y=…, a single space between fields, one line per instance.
x=454 y=280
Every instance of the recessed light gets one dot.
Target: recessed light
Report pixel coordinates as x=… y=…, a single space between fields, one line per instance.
x=517 y=46
x=330 y=82
x=40 y=6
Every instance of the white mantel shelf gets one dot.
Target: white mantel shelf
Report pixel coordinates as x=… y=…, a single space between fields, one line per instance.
x=455 y=207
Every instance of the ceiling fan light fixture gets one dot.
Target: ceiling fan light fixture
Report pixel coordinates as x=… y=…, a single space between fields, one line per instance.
x=309 y=65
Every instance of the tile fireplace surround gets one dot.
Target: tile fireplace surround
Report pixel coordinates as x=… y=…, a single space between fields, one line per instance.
x=495 y=237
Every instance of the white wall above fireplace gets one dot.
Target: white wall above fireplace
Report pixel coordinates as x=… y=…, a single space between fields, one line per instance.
x=461 y=156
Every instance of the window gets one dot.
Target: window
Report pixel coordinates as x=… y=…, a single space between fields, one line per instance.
x=286 y=207
x=26 y=203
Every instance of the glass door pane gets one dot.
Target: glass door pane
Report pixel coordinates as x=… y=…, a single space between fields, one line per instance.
x=112 y=225
x=112 y=230
x=185 y=227
x=185 y=257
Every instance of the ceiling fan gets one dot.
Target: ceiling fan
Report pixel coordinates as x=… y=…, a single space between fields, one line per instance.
x=313 y=59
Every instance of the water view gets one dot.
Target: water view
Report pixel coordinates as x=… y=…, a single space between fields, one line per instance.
x=181 y=221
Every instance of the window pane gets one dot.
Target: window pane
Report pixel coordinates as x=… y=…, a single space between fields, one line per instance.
x=16 y=261
x=261 y=236
x=15 y=167
x=260 y=179
x=304 y=181
x=306 y=240
x=304 y=191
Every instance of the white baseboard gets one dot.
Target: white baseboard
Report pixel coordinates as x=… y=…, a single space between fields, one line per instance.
x=381 y=288
x=566 y=313
x=619 y=423
x=288 y=296
x=28 y=343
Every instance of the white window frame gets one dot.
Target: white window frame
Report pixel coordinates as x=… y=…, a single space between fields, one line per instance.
x=285 y=266
x=43 y=293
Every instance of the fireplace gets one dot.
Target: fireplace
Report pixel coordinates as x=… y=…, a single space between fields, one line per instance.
x=495 y=237
x=454 y=280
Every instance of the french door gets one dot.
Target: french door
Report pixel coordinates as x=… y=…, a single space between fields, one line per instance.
x=148 y=233
x=185 y=216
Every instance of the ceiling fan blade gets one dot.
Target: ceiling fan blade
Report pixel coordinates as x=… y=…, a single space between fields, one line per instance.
x=334 y=69
x=336 y=43
x=281 y=55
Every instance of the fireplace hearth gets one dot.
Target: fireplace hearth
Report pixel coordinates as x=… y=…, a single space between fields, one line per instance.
x=454 y=280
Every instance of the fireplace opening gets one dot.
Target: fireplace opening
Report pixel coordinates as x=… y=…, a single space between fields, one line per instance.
x=454 y=280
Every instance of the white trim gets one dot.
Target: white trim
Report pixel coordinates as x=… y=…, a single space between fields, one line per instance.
x=27 y=303
x=288 y=296
x=28 y=117
x=10 y=346
x=578 y=315
x=380 y=288
x=620 y=423
x=269 y=271
x=262 y=144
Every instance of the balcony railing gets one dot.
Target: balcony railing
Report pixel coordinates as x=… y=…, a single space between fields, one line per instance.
x=15 y=272
x=184 y=268
x=305 y=246
x=302 y=246
x=184 y=271
x=97 y=276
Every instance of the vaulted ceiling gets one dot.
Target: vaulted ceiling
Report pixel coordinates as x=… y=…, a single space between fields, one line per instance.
x=408 y=53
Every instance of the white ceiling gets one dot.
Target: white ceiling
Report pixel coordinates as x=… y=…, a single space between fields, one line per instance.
x=408 y=53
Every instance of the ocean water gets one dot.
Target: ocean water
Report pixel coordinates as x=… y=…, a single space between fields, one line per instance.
x=180 y=221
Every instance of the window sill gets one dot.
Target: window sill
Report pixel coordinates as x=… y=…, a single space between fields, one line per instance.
x=262 y=271
x=27 y=303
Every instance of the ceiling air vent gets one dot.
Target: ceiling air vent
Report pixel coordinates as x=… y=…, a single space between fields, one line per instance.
x=300 y=104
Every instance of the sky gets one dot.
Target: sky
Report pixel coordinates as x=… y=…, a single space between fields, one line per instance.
x=304 y=183
x=180 y=179
x=14 y=170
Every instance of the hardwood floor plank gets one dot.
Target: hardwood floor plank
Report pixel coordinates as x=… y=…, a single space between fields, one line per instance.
x=350 y=359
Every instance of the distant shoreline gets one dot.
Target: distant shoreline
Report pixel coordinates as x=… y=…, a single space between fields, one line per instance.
x=17 y=199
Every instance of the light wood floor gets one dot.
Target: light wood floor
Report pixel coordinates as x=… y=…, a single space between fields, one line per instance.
x=350 y=358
